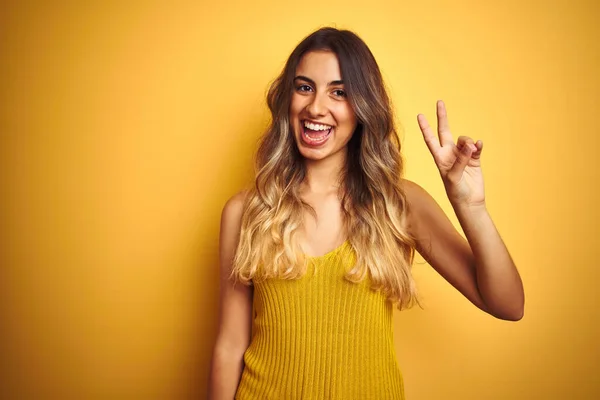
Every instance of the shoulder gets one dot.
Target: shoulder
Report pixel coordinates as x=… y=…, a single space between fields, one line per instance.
x=410 y=188
x=234 y=207
x=231 y=216
x=421 y=206
x=415 y=194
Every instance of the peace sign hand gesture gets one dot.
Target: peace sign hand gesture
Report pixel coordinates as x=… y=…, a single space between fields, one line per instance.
x=459 y=164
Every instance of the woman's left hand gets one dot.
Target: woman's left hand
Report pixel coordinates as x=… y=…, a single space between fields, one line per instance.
x=459 y=164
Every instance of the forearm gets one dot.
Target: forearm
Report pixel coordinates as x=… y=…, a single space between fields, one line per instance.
x=226 y=371
x=498 y=280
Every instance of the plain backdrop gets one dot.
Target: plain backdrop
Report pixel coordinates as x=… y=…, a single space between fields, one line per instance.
x=124 y=128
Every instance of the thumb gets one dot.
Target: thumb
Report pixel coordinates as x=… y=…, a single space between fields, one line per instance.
x=455 y=173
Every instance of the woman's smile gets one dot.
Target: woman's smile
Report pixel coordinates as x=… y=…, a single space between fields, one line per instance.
x=315 y=134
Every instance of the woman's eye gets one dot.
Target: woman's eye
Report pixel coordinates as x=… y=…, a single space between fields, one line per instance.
x=339 y=93
x=303 y=88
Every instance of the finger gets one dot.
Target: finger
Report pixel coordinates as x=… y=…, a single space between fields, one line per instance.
x=443 y=125
x=457 y=169
x=430 y=139
x=477 y=154
x=466 y=141
x=475 y=146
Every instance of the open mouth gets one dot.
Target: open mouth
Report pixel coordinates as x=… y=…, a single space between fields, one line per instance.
x=315 y=134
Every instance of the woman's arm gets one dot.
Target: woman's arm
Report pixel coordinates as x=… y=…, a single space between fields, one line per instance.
x=235 y=311
x=481 y=269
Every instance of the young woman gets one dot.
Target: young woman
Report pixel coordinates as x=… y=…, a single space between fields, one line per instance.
x=323 y=243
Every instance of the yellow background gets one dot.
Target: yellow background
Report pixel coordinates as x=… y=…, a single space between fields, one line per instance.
x=125 y=127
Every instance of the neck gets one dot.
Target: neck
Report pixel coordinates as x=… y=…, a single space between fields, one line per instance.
x=323 y=176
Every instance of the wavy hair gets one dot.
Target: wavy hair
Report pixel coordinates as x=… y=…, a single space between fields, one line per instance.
x=373 y=201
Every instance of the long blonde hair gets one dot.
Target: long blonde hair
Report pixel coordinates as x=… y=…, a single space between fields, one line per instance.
x=373 y=202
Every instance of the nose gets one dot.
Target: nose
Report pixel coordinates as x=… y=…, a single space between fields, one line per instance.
x=317 y=107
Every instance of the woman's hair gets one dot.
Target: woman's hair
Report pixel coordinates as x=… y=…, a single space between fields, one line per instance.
x=373 y=202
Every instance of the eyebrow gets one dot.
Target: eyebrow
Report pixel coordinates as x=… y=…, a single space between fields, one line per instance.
x=304 y=78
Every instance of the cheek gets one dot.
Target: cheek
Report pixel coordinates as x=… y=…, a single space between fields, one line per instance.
x=345 y=115
x=295 y=106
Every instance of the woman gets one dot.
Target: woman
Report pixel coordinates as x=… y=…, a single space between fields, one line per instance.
x=323 y=244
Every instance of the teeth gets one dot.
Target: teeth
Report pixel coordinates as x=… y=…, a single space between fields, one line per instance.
x=316 y=127
x=317 y=139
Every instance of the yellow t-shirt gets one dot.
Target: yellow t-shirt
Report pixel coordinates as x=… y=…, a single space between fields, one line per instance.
x=321 y=337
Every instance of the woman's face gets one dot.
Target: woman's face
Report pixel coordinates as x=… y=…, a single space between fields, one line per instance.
x=321 y=116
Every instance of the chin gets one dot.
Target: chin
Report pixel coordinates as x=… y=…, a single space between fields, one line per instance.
x=312 y=154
